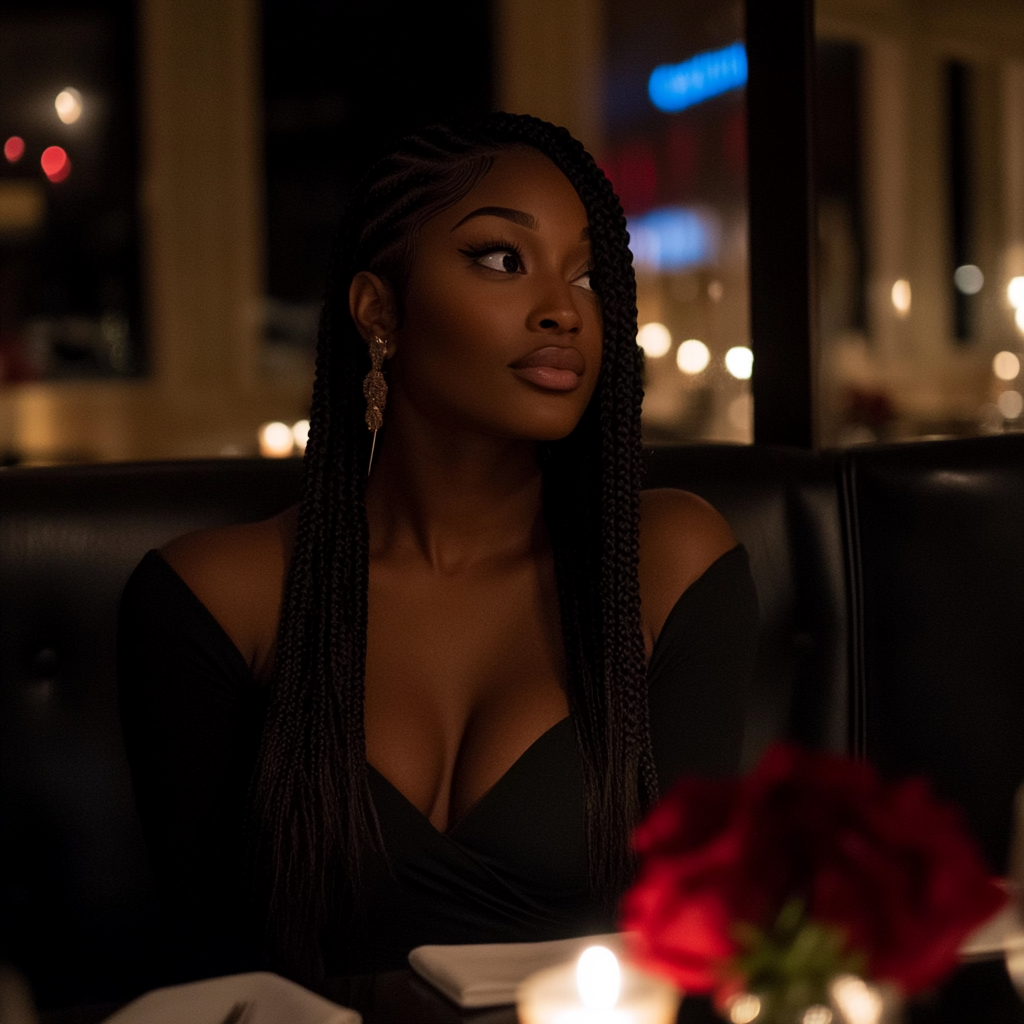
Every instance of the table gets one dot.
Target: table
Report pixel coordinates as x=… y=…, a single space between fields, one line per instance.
x=979 y=993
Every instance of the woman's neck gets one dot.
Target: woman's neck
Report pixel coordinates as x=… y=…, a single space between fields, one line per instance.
x=451 y=498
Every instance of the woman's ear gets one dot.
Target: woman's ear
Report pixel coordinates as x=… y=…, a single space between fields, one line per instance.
x=371 y=301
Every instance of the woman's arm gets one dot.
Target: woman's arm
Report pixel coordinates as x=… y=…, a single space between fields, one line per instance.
x=699 y=595
x=192 y=717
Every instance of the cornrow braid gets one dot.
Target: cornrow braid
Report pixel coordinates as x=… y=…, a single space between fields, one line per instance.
x=314 y=835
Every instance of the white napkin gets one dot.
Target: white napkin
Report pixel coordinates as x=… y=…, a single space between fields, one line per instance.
x=996 y=936
x=489 y=974
x=272 y=999
x=1004 y=933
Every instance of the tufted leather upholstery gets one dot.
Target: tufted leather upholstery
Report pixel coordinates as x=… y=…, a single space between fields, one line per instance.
x=936 y=553
x=77 y=908
x=783 y=506
x=891 y=583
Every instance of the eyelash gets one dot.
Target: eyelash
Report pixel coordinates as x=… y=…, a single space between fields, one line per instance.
x=498 y=245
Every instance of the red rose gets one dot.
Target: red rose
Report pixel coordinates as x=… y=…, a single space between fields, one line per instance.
x=679 y=908
x=884 y=863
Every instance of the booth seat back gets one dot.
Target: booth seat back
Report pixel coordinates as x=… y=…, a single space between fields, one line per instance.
x=77 y=907
x=782 y=505
x=935 y=536
x=892 y=601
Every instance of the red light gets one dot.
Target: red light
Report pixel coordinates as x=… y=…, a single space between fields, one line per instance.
x=55 y=163
x=734 y=143
x=14 y=149
x=683 y=150
x=634 y=175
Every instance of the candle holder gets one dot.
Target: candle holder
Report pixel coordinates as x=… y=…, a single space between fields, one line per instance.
x=596 y=990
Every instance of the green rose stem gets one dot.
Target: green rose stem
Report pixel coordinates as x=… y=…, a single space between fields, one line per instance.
x=789 y=967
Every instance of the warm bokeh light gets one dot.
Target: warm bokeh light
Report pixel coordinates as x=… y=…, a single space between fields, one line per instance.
x=300 y=433
x=693 y=356
x=1005 y=365
x=817 y=1014
x=969 y=279
x=276 y=440
x=744 y=1008
x=739 y=361
x=14 y=149
x=1018 y=318
x=55 y=163
x=598 y=978
x=859 y=1002
x=1015 y=292
x=69 y=105
x=901 y=296
x=655 y=339
x=1011 y=404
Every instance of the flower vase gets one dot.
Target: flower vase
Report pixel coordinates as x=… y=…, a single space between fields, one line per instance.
x=847 y=1000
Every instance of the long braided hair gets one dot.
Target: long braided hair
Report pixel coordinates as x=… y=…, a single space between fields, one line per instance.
x=315 y=837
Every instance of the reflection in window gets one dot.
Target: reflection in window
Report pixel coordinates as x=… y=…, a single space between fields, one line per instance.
x=69 y=276
x=675 y=150
x=920 y=166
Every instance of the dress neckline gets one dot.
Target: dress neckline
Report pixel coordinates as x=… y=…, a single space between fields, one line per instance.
x=517 y=766
x=461 y=824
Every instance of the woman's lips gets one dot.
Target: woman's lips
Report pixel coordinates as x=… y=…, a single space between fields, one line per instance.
x=553 y=368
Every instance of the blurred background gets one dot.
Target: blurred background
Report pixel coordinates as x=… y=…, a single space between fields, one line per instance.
x=172 y=172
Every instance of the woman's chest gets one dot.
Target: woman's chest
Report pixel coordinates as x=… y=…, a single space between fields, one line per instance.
x=463 y=673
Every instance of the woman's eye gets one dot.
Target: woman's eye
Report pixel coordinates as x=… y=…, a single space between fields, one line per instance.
x=503 y=260
x=583 y=281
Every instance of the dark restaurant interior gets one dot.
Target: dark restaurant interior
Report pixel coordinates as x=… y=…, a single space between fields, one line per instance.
x=825 y=207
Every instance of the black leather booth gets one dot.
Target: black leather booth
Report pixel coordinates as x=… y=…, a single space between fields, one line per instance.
x=891 y=583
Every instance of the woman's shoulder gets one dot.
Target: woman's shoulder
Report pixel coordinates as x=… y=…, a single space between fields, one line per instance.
x=681 y=536
x=238 y=573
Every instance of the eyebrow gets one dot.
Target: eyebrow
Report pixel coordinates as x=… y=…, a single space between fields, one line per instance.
x=524 y=220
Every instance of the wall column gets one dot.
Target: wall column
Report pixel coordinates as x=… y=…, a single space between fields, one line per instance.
x=549 y=63
x=886 y=186
x=1013 y=169
x=201 y=190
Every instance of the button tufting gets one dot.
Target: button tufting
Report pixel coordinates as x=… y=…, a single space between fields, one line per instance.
x=44 y=663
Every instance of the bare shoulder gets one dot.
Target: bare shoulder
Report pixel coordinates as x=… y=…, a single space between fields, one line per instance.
x=238 y=573
x=681 y=535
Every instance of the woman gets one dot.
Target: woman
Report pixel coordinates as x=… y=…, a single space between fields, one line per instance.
x=442 y=691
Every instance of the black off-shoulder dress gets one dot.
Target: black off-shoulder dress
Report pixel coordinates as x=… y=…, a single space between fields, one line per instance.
x=512 y=869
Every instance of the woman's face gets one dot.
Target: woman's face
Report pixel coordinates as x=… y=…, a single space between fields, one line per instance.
x=500 y=331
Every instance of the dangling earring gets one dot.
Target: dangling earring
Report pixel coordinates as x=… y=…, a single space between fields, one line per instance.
x=375 y=390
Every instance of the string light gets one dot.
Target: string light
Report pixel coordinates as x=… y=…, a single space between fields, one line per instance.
x=1005 y=365
x=69 y=105
x=56 y=164
x=969 y=279
x=739 y=361
x=901 y=297
x=276 y=440
x=14 y=149
x=655 y=339
x=693 y=356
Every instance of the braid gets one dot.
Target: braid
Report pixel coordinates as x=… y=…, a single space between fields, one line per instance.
x=314 y=835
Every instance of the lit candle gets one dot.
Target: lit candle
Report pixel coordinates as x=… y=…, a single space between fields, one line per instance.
x=596 y=990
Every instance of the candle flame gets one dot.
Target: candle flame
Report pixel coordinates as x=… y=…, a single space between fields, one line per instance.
x=860 y=1003
x=598 y=978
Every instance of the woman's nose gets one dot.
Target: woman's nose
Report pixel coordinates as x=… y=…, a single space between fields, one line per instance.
x=556 y=312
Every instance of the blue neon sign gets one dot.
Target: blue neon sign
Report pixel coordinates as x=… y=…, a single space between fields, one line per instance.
x=674 y=87
x=673 y=238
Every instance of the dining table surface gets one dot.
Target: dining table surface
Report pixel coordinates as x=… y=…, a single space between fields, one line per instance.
x=977 y=993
